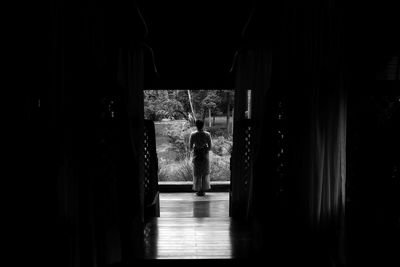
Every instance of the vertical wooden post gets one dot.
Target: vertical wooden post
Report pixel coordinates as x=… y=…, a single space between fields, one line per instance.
x=238 y=194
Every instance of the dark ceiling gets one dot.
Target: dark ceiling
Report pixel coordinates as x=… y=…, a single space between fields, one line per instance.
x=193 y=43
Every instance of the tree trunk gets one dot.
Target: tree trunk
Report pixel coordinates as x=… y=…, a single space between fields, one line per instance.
x=233 y=120
x=191 y=104
x=228 y=112
x=209 y=118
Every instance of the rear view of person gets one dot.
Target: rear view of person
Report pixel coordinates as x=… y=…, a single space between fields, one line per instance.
x=200 y=144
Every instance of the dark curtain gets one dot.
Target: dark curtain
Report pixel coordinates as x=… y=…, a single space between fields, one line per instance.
x=130 y=78
x=85 y=118
x=253 y=73
x=312 y=71
x=304 y=63
x=250 y=190
x=325 y=172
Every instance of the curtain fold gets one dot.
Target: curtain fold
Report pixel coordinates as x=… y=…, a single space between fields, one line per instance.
x=312 y=71
x=325 y=178
x=130 y=79
x=327 y=171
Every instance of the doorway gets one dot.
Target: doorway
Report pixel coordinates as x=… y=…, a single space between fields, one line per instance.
x=168 y=167
x=173 y=113
x=187 y=225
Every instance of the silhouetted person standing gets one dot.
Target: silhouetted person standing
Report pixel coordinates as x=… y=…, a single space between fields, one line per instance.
x=200 y=144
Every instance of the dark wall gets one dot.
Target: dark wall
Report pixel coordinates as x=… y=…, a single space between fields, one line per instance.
x=373 y=186
x=372 y=177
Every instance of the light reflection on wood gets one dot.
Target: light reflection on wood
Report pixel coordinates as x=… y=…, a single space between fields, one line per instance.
x=192 y=227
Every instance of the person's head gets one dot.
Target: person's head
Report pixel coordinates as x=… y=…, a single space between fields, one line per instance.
x=199 y=124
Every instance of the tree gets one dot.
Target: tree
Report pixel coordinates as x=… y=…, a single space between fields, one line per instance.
x=191 y=104
x=228 y=96
x=197 y=99
x=210 y=102
x=228 y=110
x=205 y=102
x=159 y=104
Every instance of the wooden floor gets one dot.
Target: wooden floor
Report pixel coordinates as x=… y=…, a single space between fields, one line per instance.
x=193 y=227
x=189 y=205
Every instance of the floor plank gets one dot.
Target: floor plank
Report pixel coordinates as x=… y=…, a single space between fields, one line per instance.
x=193 y=227
x=176 y=205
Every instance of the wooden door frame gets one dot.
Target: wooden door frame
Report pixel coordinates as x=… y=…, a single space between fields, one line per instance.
x=239 y=188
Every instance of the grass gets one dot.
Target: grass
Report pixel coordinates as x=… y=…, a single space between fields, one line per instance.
x=220 y=121
x=164 y=147
x=171 y=170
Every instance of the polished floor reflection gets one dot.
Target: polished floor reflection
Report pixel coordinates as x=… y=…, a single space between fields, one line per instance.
x=192 y=227
x=189 y=205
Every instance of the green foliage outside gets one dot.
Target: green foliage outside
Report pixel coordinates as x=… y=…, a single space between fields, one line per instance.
x=174 y=157
x=171 y=111
x=182 y=104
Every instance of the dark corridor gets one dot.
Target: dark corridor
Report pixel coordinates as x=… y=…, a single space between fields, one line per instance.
x=319 y=185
